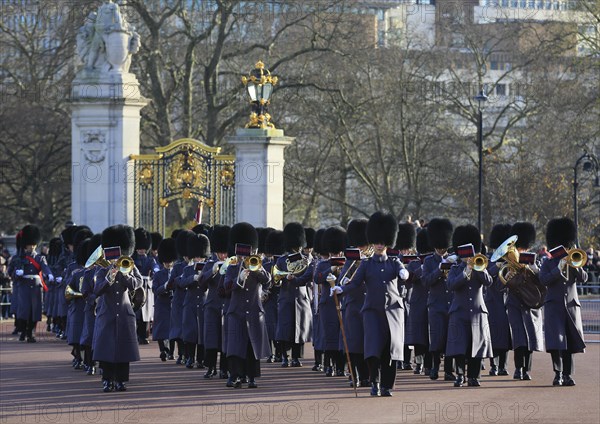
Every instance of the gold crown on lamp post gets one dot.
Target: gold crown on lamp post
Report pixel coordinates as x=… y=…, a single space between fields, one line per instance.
x=259 y=85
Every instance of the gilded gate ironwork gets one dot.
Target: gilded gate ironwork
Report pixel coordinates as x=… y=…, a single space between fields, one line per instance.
x=185 y=169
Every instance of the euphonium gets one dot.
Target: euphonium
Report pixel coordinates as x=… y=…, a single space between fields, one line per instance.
x=97 y=258
x=71 y=294
x=478 y=262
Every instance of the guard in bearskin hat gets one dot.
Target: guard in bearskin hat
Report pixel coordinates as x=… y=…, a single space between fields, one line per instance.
x=468 y=329
x=294 y=314
x=175 y=330
x=417 y=330
x=562 y=314
x=192 y=324
x=156 y=239
x=213 y=305
x=352 y=303
x=29 y=272
x=334 y=242
x=405 y=244
x=526 y=323
x=383 y=310
x=247 y=338
x=314 y=291
x=494 y=301
x=166 y=256
x=115 y=313
x=147 y=266
x=439 y=235
x=273 y=249
x=89 y=310
x=309 y=233
x=55 y=248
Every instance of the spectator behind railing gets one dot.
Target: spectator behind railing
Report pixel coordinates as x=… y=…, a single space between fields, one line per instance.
x=5 y=285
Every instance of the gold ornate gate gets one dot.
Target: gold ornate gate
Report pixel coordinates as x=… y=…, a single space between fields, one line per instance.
x=185 y=169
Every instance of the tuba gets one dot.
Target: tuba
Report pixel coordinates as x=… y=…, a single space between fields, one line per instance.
x=519 y=278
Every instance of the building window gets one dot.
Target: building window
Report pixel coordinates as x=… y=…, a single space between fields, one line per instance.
x=500 y=89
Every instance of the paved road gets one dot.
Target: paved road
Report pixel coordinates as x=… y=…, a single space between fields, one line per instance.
x=38 y=385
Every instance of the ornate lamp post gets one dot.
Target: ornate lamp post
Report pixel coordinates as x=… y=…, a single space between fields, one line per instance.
x=590 y=164
x=481 y=98
x=259 y=84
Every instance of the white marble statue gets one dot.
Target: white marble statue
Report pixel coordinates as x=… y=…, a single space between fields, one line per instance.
x=106 y=41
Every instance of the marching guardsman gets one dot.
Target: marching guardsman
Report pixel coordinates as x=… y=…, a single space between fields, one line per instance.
x=314 y=292
x=353 y=301
x=147 y=266
x=64 y=261
x=166 y=256
x=334 y=241
x=469 y=339
x=405 y=244
x=562 y=310
x=175 y=330
x=54 y=251
x=29 y=273
x=294 y=316
x=417 y=333
x=156 y=239
x=439 y=235
x=247 y=339
x=115 y=342
x=213 y=305
x=526 y=324
x=89 y=310
x=76 y=314
x=274 y=248
x=383 y=310
x=496 y=306
x=192 y=326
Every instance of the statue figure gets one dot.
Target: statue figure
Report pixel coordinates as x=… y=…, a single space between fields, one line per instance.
x=106 y=41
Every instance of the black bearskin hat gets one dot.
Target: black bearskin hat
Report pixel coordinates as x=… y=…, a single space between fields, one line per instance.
x=167 y=251
x=198 y=246
x=357 y=232
x=119 y=235
x=439 y=233
x=334 y=239
x=561 y=231
x=310 y=237
x=423 y=242
x=54 y=246
x=201 y=229
x=68 y=234
x=143 y=240
x=294 y=236
x=243 y=233
x=318 y=244
x=156 y=239
x=382 y=228
x=81 y=255
x=94 y=243
x=263 y=233
x=181 y=242
x=466 y=234
x=219 y=238
x=499 y=234
x=407 y=235
x=30 y=235
x=81 y=234
x=274 y=243
x=175 y=233
x=526 y=233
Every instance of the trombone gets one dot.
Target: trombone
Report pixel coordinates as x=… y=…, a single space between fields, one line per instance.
x=576 y=258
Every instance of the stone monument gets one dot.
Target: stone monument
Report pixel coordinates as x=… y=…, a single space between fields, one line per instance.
x=105 y=120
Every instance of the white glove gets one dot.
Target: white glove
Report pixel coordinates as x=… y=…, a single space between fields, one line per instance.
x=59 y=280
x=562 y=263
x=50 y=277
x=335 y=289
x=330 y=278
x=452 y=259
x=403 y=274
x=156 y=269
x=196 y=277
x=216 y=267
x=345 y=281
x=19 y=272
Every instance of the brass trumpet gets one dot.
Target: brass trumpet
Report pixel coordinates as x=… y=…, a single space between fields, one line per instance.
x=253 y=263
x=478 y=262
